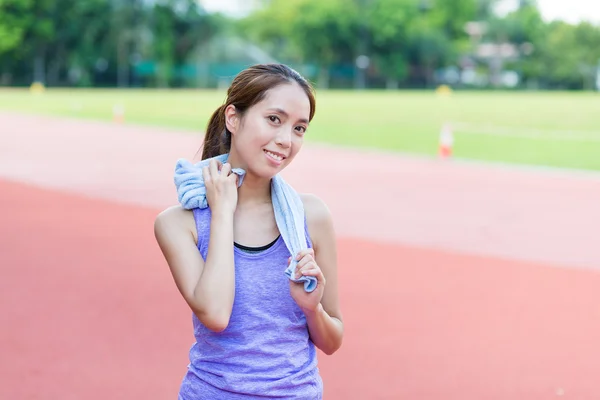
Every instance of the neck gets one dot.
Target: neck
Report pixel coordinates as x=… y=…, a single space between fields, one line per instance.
x=255 y=190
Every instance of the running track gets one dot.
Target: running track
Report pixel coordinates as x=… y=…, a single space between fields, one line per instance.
x=458 y=281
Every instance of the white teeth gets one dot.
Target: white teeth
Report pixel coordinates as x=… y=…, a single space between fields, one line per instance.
x=275 y=156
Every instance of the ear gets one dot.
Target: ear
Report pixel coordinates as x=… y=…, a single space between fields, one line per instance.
x=231 y=119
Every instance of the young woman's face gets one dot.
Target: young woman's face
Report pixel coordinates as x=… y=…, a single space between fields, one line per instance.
x=272 y=131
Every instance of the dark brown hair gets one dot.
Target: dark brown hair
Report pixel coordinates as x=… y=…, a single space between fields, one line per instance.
x=248 y=88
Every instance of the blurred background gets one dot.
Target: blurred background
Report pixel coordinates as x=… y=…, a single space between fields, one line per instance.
x=471 y=44
x=516 y=70
x=472 y=125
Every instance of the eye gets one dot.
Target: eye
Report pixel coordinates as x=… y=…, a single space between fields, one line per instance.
x=274 y=119
x=301 y=129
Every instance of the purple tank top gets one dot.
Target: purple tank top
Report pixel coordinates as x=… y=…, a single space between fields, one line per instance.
x=265 y=351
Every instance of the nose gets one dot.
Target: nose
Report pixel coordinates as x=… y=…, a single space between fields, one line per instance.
x=283 y=138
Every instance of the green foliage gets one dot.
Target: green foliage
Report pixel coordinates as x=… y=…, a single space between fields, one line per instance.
x=14 y=18
x=272 y=27
x=390 y=24
x=90 y=42
x=142 y=43
x=326 y=31
x=321 y=32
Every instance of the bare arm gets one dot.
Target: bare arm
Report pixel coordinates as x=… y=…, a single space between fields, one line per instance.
x=207 y=286
x=325 y=323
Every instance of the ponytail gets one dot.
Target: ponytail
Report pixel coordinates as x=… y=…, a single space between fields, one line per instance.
x=217 y=139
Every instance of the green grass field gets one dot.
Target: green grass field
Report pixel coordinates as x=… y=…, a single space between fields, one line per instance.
x=397 y=121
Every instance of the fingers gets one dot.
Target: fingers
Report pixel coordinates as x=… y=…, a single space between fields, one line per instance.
x=304 y=257
x=307 y=266
x=213 y=167
x=216 y=169
x=311 y=272
x=304 y=260
x=234 y=178
x=306 y=252
x=312 y=269
x=206 y=175
x=225 y=169
x=300 y=269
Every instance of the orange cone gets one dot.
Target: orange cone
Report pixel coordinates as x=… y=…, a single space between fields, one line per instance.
x=118 y=113
x=446 y=141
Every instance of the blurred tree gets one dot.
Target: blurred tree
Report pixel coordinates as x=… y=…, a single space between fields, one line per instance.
x=165 y=38
x=107 y=42
x=13 y=23
x=130 y=27
x=560 y=56
x=429 y=49
x=74 y=50
x=179 y=27
x=524 y=29
x=569 y=55
x=55 y=35
x=438 y=37
x=271 y=25
x=452 y=15
x=389 y=22
x=41 y=31
x=587 y=37
x=14 y=20
x=326 y=33
x=485 y=9
x=99 y=41
x=316 y=31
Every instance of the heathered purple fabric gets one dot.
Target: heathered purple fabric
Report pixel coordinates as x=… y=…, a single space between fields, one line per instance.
x=265 y=351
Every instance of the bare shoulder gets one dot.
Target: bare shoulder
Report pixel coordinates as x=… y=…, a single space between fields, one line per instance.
x=173 y=215
x=174 y=220
x=318 y=218
x=315 y=208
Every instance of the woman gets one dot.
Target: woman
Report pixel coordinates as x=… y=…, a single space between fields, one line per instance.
x=256 y=330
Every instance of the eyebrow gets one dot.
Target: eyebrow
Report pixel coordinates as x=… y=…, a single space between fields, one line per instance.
x=282 y=112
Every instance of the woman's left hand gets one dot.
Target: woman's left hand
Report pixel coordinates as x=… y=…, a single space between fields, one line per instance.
x=307 y=266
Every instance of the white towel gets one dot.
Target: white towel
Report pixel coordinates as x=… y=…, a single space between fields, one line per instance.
x=287 y=204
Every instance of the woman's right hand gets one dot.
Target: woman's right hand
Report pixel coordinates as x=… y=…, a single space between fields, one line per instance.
x=221 y=187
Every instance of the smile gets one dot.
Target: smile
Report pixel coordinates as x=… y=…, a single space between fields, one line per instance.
x=274 y=156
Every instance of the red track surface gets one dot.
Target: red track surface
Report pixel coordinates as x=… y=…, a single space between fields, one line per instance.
x=89 y=311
